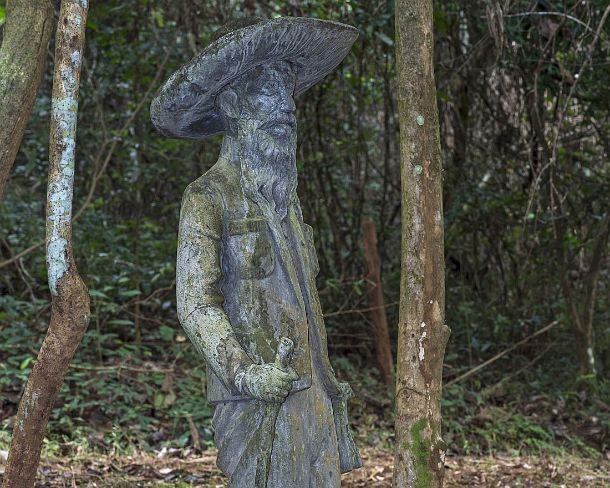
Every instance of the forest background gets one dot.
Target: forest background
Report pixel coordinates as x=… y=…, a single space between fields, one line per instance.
x=524 y=104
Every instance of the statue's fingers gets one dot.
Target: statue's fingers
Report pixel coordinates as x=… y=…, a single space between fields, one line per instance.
x=289 y=375
x=277 y=382
x=283 y=385
x=288 y=385
x=271 y=397
x=279 y=392
x=292 y=373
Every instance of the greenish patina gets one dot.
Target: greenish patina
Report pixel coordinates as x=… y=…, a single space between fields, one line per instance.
x=246 y=260
x=420 y=449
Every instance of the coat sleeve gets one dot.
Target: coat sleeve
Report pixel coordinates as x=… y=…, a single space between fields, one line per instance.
x=199 y=299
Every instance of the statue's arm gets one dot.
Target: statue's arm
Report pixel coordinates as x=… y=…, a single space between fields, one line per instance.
x=199 y=299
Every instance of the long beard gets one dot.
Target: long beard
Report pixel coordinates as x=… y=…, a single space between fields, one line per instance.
x=268 y=168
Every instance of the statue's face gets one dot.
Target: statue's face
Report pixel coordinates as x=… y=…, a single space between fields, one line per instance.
x=265 y=98
x=260 y=111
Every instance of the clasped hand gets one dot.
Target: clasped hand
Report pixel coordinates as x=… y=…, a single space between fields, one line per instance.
x=267 y=382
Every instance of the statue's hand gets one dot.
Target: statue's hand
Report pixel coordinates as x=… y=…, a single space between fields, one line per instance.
x=267 y=382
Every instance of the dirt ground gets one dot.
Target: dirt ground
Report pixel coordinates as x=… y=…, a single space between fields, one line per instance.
x=182 y=469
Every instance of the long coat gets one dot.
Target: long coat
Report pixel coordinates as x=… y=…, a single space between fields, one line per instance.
x=245 y=278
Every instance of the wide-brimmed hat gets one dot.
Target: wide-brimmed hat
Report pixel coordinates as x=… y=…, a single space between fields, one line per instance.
x=185 y=105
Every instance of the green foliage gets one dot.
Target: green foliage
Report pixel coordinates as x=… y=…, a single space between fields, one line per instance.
x=121 y=401
x=513 y=419
x=136 y=379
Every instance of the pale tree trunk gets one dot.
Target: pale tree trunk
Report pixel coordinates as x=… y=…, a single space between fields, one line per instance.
x=24 y=47
x=377 y=304
x=70 y=300
x=422 y=333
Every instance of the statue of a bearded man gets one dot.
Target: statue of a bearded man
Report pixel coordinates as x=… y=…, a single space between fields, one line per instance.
x=247 y=265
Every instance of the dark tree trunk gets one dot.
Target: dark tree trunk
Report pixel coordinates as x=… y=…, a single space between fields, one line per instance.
x=385 y=362
x=70 y=300
x=24 y=47
x=422 y=333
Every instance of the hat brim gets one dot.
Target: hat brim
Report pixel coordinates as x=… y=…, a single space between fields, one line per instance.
x=185 y=105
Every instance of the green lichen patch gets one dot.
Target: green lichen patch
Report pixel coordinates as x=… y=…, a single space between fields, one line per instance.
x=420 y=449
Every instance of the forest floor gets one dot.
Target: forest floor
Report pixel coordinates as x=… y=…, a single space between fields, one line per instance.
x=186 y=468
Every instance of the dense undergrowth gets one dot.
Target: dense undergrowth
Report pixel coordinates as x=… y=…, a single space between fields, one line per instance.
x=120 y=396
x=503 y=81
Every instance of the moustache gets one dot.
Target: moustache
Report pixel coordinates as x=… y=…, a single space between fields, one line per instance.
x=284 y=119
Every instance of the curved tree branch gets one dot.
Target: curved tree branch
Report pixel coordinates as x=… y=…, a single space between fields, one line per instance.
x=70 y=300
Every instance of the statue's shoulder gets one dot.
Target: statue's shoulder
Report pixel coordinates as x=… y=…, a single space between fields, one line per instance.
x=213 y=184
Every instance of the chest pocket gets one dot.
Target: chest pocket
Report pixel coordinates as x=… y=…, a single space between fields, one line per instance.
x=311 y=249
x=249 y=249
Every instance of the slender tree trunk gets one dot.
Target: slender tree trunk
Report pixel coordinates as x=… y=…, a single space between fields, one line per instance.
x=422 y=333
x=377 y=304
x=585 y=351
x=24 y=47
x=70 y=300
x=580 y=304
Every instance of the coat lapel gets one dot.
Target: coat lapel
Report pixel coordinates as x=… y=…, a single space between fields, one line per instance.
x=284 y=256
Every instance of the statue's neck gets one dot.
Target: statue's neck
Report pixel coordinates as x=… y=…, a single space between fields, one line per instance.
x=229 y=150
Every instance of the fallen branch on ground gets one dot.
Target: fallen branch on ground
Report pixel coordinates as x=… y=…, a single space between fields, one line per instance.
x=469 y=373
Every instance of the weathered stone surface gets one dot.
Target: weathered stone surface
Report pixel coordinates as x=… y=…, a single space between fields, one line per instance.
x=185 y=106
x=247 y=265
